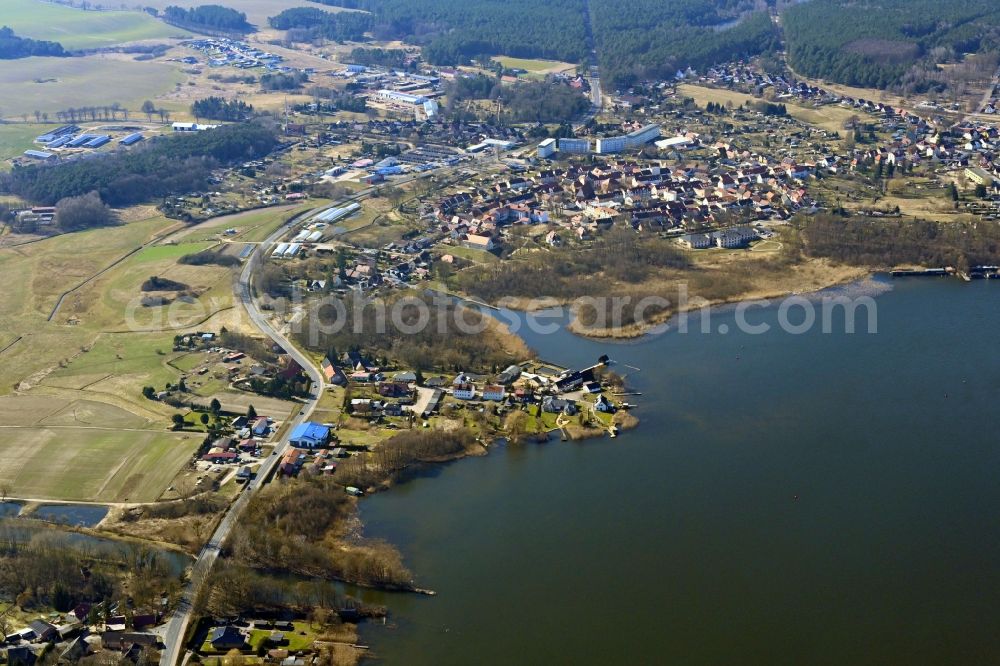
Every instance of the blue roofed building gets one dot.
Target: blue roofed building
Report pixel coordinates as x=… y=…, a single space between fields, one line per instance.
x=309 y=435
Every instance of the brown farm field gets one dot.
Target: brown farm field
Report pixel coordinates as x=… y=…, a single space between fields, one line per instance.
x=55 y=84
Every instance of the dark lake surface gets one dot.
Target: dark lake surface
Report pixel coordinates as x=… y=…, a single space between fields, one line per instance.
x=787 y=499
x=79 y=515
x=9 y=509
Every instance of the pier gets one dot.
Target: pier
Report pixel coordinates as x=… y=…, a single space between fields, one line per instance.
x=923 y=272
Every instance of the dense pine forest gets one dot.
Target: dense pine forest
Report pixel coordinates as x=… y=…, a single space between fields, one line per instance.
x=309 y=23
x=889 y=44
x=634 y=40
x=455 y=32
x=211 y=17
x=653 y=39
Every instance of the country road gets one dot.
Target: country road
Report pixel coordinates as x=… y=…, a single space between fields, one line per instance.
x=177 y=625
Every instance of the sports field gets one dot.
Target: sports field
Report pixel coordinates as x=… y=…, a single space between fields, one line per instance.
x=56 y=84
x=79 y=29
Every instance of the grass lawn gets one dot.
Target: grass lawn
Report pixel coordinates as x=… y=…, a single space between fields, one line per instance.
x=251 y=225
x=535 y=66
x=55 y=84
x=170 y=251
x=301 y=638
x=88 y=433
x=15 y=138
x=89 y=464
x=471 y=254
x=78 y=29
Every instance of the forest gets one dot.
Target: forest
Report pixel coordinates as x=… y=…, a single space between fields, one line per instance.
x=305 y=24
x=391 y=58
x=527 y=101
x=453 y=32
x=45 y=569
x=646 y=39
x=847 y=42
x=219 y=108
x=283 y=80
x=213 y=17
x=13 y=47
x=164 y=166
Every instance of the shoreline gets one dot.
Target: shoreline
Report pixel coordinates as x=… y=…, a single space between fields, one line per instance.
x=663 y=319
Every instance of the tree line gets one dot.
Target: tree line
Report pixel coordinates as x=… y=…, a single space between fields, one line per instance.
x=526 y=101
x=162 y=167
x=846 y=42
x=214 y=17
x=453 y=33
x=305 y=24
x=219 y=108
x=650 y=39
x=388 y=58
x=13 y=47
x=889 y=242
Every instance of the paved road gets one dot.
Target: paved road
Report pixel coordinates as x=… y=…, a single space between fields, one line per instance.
x=177 y=626
x=178 y=623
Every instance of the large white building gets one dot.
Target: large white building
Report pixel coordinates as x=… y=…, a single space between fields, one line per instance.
x=546 y=148
x=610 y=144
x=635 y=139
x=574 y=146
x=396 y=97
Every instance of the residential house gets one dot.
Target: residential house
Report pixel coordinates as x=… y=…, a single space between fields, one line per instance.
x=493 y=392
x=332 y=373
x=479 y=242
x=393 y=390
x=21 y=656
x=555 y=405
x=602 y=404
x=261 y=427
x=227 y=638
x=44 y=632
x=464 y=391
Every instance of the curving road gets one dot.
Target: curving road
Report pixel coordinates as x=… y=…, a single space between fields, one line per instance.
x=177 y=625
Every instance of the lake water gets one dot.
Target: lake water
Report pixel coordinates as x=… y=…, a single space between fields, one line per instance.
x=788 y=499
x=79 y=515
x=9 y=509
